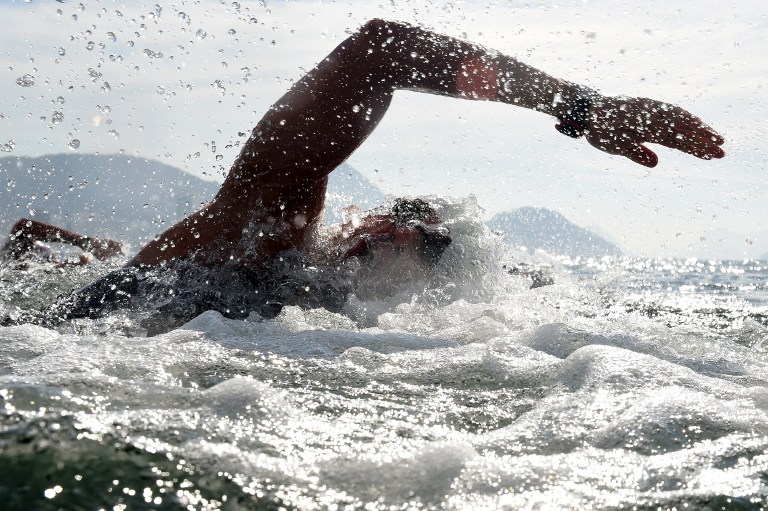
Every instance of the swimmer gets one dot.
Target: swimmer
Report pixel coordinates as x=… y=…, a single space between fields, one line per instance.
x=273 y=196
x=275 y=190
x=28 y=237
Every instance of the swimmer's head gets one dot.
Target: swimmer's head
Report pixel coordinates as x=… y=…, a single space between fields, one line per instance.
x=396 y=246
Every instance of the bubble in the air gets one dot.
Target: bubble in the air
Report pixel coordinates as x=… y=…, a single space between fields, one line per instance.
x=26 y=81
x=74 y=144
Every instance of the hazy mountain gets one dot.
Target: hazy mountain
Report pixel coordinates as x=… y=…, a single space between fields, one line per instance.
x=133 y=199
x=128 y=198
x=347 y=186
x=543 y=229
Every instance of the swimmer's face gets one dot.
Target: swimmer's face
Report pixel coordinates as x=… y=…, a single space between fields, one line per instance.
x=394 y=254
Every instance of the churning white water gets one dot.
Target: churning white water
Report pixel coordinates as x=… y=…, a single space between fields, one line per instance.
x=629 y=383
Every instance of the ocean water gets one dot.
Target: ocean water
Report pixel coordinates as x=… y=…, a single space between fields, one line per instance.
x=629 y=383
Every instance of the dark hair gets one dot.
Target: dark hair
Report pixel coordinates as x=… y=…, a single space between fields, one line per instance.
x=434 y=241
x=406 y=210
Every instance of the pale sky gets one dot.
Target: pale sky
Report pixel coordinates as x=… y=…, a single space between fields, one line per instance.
x=178 y=82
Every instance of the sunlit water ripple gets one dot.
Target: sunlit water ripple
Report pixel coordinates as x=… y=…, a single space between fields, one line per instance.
x=630 y=383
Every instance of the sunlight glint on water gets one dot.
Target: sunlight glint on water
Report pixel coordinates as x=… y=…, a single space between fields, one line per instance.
x=630 y=382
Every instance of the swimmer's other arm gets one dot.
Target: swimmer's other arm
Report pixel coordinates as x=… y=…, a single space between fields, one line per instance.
x=26 y=231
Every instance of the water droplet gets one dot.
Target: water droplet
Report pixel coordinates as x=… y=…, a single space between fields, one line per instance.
x=231 y=31
x=26 y=80
x=57 y=117
x=89 y=45
x=253 y=21
x=114 y=133
x=111 y=36
x=74 y=144
x=157 y=11
x=62 y=51
x=60 y=100
x=7 y=148
x=153 y=54
x=201 y=34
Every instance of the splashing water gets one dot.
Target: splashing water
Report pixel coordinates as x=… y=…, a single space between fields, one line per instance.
x=26 y=81
x=622 y=385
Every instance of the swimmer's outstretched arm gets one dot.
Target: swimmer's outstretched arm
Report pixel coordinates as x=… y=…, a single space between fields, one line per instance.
x=329 y=112
x=26 y=232
x=281 y=173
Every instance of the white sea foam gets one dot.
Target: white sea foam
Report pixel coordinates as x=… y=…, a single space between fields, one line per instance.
x=462 y=395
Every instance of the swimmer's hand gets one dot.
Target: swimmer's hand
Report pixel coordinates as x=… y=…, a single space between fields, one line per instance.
x=103 y=248
x=621 y=125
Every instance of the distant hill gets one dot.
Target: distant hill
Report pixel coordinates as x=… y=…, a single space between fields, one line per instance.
x=347 y=186
x=129 y=198
x=543 y=229
x=133 y=199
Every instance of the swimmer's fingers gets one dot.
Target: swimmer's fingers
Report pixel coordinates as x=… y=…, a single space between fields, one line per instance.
x=622 y=125
x=676 y=128
x=623 y=143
